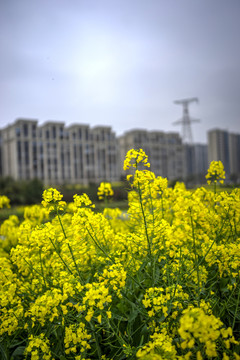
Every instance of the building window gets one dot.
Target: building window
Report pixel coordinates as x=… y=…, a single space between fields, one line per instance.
x=26 y=150
x=54 y=132
x=81 y=160
x=61 y=132
x=102 y=134
x=19 y=152
x=34 y=130
x=18 y=132
x=25 y=129
x=34 y=153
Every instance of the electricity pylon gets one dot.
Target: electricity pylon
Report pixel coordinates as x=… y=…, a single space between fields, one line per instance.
x=186 y=120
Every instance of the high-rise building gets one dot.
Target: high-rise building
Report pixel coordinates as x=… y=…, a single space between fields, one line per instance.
x=195 y=162
x=201 y=159
x=78 y=154
x=234 y=154
x=1 y=160
x=18 y=148
x=57 y=154
x=218 y=147
x=164 y=150
x=225 y=146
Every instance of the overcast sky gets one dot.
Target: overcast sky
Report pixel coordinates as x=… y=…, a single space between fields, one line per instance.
x=121 y=63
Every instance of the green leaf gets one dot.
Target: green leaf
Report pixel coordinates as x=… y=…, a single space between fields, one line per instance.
x=132 y=316
x=223 y=284
x=118 y=317
x=4 y=355
x=16 y=343
x=18 y=352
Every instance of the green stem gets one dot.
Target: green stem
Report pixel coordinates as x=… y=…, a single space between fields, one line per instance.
x=96 y=341
x=119 y=337
x=227 y=302
x=40 y=251
x=70 y=248
x=97 y=244
x=162 y=206
x=201 y=261
x=32 y=268
x=195 y=256
x=58 y=253
x=145 y=222
x=236 y=310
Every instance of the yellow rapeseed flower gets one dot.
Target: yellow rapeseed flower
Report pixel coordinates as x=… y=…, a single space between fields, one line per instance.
x=105 y=191
x=215 y=172
x=134 y=158
x=4 y=201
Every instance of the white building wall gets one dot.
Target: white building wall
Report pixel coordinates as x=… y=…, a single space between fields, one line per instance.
x=165 y=151
x=57 y=154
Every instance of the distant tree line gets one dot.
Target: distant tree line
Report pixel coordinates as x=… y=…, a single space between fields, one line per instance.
x=30 y=192
x=120 y=191
x=21 y=192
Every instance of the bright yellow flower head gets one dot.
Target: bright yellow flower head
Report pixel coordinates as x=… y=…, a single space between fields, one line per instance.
x=216 y=172
x=51 y=195
x=105 y=190
x=135 y=157
x=4 y=201
x=52 y=199
x=196 y=325
x=82 y=201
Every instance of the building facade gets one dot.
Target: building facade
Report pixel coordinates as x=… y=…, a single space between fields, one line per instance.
x=78 y=154
x=164 y=150
x=218 y=147
x=225 y=146
x=57 y=154
x=195 y=162
x=234 y=154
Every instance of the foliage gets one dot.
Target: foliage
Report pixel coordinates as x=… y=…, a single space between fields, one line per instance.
x=160 y=281
x=21 y=192
x=119 y=189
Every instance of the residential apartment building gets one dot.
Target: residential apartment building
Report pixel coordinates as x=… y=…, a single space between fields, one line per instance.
x=218 y=147
x=164 y=150
x=1 y=161
x=201 y=158
x=195 y=162
x=234 y=154
x=57 y=154
x=225 y=146
x=78 y=154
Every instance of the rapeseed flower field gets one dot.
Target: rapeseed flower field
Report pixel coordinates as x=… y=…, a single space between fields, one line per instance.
x=158 y=282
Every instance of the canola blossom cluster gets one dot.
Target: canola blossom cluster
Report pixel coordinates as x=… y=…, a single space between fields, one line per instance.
x=134 y=158
x=105 y=191
x=160 y=281
x=4 y=201
x=216 y=173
